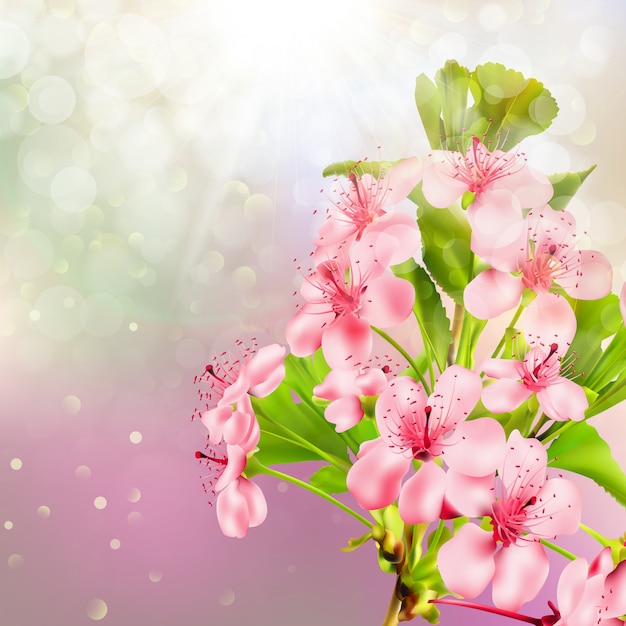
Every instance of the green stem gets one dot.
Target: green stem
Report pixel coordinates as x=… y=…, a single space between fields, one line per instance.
x=500 y=345
x=596 y=535
x=562 y=551
x=393 y=610
x=457 y=325
x=557 y=432
x=437 y=535
x=315 y=490
x=301 y=441
x=405 y=354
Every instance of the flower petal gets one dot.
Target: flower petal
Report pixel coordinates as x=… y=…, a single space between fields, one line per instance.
x=266 y=370
x=594 y=279
x=421 y=496
x=505 y=395
x=236 y=463
x=549 y=319
x=304 y=330
x=570 y=586
x=466 y=562
x=344 y=413
x=347 y=343
x=557 y=509
x=257 y=505
x=476 y=448
x=491 y=293
x=240 y=506
x=520 y=574
x=388 y=301
x=215 y=420
x=375 y=478
x=469 y=495
x=563 y=400
x=401 y=179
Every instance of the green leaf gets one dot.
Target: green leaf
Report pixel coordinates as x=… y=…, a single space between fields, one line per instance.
x=453 y=84
x=581 y=449
x=428 y=103
x=357 y=542
x=611 y=364
x=346 y=168
x=446 y=244
x=612 y=394
x=565 y=186
x=329 y=479
x=596 y=320
x=517 y=106
x=429 y=310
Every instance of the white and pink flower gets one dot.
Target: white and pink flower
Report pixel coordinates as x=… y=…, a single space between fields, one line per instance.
x=538 y=372
x=412 y=427
x=524 y=507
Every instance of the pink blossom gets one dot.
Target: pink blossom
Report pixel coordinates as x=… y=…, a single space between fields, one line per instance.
x=240 y=503
x=360 y=210
x=344 y=388
x=343 y=297
x=524 y=507
x=538 y=372
x=412 y=427
x=590 y=595
x=547 y=258
x=227 y=412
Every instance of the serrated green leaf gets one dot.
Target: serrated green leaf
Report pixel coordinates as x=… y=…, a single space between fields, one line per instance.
x=329 y=479
x=356 y=542
x=428 y=104
x=581 y=449
x=565 y=186
x=446 y=238
x=429 y=310
x=517 y=106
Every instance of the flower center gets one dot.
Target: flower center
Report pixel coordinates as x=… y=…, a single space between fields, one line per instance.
x=214 y=460
x=539 y=370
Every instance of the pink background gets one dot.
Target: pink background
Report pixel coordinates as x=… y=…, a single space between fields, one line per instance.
x=161 y=162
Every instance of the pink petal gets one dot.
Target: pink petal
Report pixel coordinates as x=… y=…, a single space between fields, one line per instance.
x=524 y=467
x=403 y=228
x=214 y=420
x=587 y=610
x=401 y=180
x=388 y=301
x=563 y=400
x=615 y=592
x=344 y=412
x=491 y=293
x=375 y=478
x=602 y=564
x=520 y=574
x=236 y=463
x=505 y=395
x=371 y=382
x=571 y=586
x=502 y=368
x=439 y=186
x=236 y=391
x=476 y=448
x=549 y=319
x=338 y=383
x=469 y=495
x=466 y=562
x=401 y=395
x=242 y=429
x=557 y=509
x=531 y=187
x=304 y=330
x=348 y=342
x=240 y=506
x=421 y=496
x=595 y=278
x=266 y=370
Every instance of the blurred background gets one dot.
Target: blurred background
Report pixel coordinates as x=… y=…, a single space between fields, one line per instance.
x=160 y=168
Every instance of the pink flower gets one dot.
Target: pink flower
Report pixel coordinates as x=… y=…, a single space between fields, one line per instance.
x=547 y=258
x=502 y=183
x=344 y=388
x=539 y=372
x=343 y=297
x=415 y=427
x=360 y=210
x=228 y=413
x=240 y=503
x=524 y=507
x=590 y=595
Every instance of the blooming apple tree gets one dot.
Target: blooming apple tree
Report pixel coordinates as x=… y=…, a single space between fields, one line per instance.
x=459 y=457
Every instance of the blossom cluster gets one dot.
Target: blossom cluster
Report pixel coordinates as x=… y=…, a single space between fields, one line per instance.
x=466 y=448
